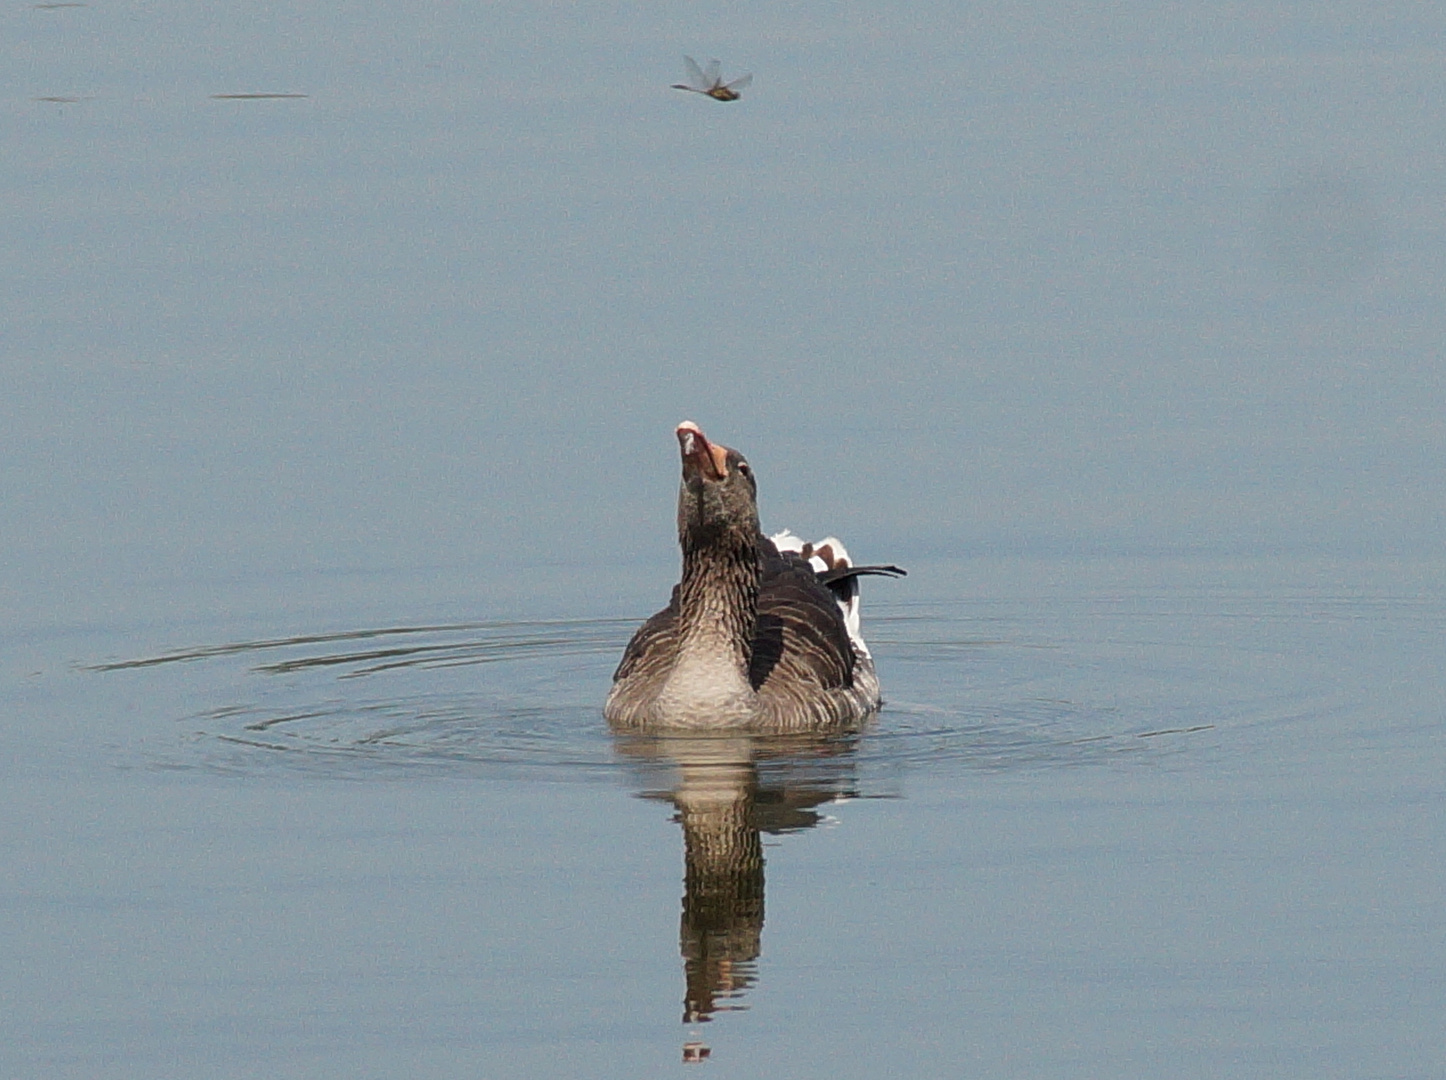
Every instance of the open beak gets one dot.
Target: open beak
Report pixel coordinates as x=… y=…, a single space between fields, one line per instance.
x=700 y=457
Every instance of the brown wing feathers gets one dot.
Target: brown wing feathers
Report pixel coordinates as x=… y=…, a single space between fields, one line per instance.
x=802 y=636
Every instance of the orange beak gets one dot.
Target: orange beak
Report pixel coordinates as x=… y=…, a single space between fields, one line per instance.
x=708 y=459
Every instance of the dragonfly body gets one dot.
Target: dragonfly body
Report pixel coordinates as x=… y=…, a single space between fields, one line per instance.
x=709 y=81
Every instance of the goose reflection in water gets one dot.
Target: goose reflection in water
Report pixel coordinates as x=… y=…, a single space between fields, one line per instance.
x=728 y=792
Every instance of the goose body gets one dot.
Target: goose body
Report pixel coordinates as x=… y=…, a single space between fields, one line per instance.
x=761 y=634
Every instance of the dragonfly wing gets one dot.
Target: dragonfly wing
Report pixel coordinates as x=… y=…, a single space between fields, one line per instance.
x=713 y=75
x=740 y=83
x=695 y=74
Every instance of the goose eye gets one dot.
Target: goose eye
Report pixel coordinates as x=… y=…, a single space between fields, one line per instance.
x=744 y=468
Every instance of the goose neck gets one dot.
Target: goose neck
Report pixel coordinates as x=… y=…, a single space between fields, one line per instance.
x=718 y=600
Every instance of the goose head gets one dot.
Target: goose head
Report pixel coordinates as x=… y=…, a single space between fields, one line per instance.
x=718 y=498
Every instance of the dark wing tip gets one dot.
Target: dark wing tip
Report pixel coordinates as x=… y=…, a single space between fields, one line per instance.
x=828 y=577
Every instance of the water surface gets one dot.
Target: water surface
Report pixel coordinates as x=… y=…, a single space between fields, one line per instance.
x=342 y=347
x=1102 y=824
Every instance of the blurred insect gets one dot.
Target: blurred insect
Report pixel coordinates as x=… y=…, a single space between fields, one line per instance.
x=709 y=81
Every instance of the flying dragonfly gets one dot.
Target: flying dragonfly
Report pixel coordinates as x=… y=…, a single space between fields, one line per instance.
x=709 y=81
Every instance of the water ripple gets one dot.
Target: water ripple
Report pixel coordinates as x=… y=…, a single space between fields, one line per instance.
x=968 y=688
x=481 y=643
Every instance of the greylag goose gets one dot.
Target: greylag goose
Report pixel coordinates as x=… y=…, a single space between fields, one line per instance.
x=761 y=634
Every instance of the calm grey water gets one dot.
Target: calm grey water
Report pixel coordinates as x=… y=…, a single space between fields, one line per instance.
x=1120 y=817
x=341 y=349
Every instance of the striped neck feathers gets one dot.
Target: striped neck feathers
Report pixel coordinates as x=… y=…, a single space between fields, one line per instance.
x=718 y=596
